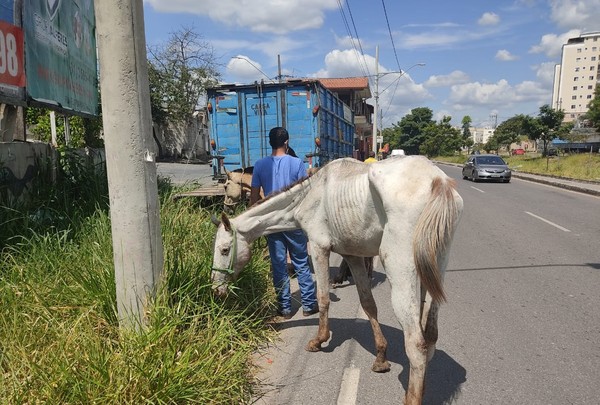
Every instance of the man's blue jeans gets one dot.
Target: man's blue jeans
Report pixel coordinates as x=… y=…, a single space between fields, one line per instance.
x=294 y=242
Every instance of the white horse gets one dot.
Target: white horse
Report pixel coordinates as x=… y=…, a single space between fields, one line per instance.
x=404 y=209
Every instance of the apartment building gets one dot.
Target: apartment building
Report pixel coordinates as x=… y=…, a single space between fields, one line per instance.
x=577 y=75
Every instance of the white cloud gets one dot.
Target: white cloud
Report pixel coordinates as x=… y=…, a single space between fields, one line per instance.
x=580 y=14
x=551 y=44
x=428 y=39
x=278 y=45
x=545 y=74
x=498 y=95
x=268 y=16
x=505 y=56
x=456 y=77
x=245 y=69
x=346 y=63
x=347 y=42
x=489 y=19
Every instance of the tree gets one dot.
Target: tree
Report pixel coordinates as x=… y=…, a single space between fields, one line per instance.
x=466 y=133
x=593 y=114
x=83 y=131
x=412 y=129
x=179 y=72
x=441 y=139
x=551 y=126
x=509 y=131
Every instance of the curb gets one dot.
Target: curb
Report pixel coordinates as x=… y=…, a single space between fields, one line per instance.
x=557 y=184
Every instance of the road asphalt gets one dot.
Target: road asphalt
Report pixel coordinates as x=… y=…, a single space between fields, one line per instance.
x=201 y=174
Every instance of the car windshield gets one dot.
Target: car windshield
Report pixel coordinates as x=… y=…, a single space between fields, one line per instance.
x=489 y=160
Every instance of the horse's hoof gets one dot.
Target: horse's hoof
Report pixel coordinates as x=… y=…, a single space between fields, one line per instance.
x=383 y=367
x=313 y=346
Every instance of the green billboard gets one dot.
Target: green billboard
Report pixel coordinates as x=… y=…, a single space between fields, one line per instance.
x=60 y=54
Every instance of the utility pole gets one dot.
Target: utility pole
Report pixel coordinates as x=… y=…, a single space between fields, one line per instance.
x=376 y=99
x=134 y=208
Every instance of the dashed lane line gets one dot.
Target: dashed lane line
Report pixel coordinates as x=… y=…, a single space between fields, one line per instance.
x=548 y=222
x=349 y=388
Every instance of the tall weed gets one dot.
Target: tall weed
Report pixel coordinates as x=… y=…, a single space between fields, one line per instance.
x=60 y=341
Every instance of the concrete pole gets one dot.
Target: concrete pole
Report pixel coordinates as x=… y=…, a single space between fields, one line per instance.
x=376 y=100
x=134 y=209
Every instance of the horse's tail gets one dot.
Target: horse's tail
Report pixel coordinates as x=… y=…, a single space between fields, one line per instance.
x=433 y=234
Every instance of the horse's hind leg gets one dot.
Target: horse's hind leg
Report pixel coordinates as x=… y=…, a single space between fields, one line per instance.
x=429 y=324
x=363 y=285
x=406 y=301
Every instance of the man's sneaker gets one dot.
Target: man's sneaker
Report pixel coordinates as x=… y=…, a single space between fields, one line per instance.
x=285 y=315
x=311 y=312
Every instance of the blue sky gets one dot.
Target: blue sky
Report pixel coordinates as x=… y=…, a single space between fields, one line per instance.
x=489 y=60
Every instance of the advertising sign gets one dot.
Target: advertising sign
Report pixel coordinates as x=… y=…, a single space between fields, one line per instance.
x=60 y=54
x=12 y=71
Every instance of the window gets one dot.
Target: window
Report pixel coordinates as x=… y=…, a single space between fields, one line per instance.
x=593 y=58
x=578 y=59
x=591 y=67
x=591 y=77
x=577 y=69
x=589 y=96
x=574 y=87
x=573 y=97
x=575 y=79
x=578 y=50
x=572 y=108
x=590 y=87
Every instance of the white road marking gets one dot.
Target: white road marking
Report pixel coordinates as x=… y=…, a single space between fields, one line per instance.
x=548 y=222
x=361 y=314
x=349 y=387
x=478 y=189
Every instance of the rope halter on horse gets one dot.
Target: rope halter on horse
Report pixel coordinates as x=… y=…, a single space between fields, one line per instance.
x=233 y=254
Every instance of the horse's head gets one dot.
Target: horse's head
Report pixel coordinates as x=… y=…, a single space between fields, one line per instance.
x=230 y=255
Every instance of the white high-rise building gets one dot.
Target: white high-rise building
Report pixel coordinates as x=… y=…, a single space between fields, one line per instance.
x=577 y=75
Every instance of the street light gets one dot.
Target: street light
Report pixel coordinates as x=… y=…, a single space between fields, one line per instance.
x=377 y=76
x=251 y=64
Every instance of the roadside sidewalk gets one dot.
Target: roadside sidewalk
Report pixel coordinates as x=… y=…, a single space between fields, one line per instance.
x=582 y=186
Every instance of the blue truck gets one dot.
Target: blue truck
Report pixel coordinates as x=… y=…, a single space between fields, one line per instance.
x=321 y=126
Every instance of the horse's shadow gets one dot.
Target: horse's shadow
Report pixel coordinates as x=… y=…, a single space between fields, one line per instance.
x=444 y=375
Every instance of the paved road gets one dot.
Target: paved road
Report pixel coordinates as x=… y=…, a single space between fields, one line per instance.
x=181 y=173
x=521 y=325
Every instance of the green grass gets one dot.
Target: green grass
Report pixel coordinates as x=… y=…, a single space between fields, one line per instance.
x=60 y=341
x=577 y=166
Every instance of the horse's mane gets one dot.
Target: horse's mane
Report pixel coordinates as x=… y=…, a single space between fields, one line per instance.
x=283 y=190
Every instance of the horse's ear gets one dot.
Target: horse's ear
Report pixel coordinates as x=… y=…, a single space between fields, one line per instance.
x=225 y=221
x=215 y=220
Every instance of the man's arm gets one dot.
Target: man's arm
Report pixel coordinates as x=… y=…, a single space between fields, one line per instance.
x=254 y=195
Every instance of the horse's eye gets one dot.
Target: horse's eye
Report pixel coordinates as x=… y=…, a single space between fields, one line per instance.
x=225 y=251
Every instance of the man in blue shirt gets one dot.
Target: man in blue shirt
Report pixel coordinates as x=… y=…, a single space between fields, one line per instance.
x=272 y=174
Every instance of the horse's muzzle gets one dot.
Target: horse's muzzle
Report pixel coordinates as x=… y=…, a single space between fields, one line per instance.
x=220 y=290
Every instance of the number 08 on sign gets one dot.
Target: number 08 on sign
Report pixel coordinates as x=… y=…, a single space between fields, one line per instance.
x=11 y=55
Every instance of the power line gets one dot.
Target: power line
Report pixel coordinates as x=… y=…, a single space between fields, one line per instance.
x=357 y=38
x=391 y=36
x=363 y=68
x=395 y=55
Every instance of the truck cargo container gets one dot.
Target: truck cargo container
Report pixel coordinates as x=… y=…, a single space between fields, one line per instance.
x=240 y=116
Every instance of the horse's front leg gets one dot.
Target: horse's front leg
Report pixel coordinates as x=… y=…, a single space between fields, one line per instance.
x=320 y=258
x=363 y=285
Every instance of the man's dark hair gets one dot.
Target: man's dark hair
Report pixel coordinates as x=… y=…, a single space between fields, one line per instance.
x=277 y=137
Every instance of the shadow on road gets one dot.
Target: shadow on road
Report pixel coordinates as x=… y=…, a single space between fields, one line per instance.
x=444 y=375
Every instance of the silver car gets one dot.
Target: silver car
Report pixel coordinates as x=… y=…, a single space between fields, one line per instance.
x=486 y=167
